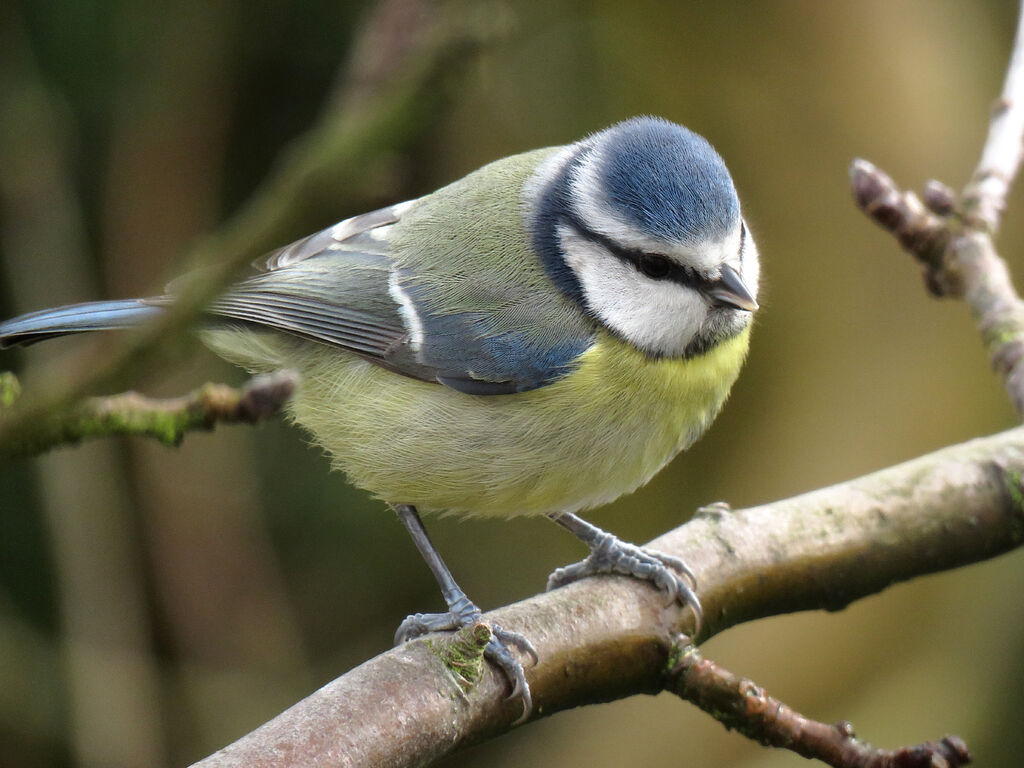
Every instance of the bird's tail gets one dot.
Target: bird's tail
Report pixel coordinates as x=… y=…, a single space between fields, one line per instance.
x=75 y=318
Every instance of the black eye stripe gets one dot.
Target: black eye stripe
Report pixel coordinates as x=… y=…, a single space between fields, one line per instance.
x=656 y=266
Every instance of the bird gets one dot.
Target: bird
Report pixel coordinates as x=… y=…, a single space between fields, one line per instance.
x=537 y=338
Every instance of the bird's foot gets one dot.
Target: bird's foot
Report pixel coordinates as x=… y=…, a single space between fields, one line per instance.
x=464 y=613
x=609 y=554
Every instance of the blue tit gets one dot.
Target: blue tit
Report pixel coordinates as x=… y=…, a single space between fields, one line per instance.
x=537 y=338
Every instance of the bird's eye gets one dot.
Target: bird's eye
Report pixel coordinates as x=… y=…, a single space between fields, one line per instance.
x=654 y=266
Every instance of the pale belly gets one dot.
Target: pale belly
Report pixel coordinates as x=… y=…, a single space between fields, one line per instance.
x=577 y=443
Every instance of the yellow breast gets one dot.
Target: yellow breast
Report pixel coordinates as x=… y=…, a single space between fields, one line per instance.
x=582 y=441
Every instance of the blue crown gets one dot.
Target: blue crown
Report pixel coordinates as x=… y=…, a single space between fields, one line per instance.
x=667 y=181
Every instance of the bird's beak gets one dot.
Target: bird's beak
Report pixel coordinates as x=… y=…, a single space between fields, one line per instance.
x=731 y=291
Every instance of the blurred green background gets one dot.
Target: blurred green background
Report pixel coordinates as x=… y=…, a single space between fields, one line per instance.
x=156 y=604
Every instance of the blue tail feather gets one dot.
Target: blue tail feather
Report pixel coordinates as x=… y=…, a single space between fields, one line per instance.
x=75 y=318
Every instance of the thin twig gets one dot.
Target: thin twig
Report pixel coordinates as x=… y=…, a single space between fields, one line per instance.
x=739 y=704
x=166 y=420
x=606 y=638
x=984 y=197
x=920 y=232
x=953 y=238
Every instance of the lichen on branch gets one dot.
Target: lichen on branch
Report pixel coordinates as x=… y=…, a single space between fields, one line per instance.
x=166 y=420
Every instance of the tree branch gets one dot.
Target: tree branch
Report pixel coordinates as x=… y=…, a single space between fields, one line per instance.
x=609 y=637
x=957 y=263
x=166 y=420
x=984 y=197
x=738 y=703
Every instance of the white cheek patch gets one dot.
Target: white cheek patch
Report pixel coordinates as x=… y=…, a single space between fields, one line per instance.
x=658 y=316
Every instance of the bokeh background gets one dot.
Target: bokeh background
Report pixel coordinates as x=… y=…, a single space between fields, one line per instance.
x=156 y=604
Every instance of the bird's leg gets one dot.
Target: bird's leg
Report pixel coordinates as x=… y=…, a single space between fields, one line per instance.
x=609 y=554
x=461 y=612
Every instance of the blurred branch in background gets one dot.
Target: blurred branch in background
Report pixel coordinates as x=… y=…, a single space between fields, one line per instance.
x=380 y=111
x=102 y=675
x=606 y=638
x=110 y=679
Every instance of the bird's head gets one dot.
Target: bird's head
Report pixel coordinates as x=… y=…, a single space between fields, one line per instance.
x=640 y=224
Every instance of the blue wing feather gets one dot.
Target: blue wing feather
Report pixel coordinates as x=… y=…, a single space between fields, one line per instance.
x=75 y=318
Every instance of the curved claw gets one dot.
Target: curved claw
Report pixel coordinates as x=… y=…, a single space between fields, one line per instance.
x=520 y=641
x=497 y=653
x=675 y=564
x=689 y=597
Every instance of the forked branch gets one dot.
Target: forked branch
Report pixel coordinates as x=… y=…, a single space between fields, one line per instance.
x=953 y=236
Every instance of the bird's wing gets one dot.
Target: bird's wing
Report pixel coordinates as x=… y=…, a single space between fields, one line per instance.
x=350 y=234
x=346 y=286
